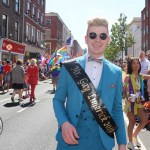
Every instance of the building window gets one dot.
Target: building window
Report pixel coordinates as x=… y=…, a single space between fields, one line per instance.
x=17 y=31
x=146 y=29
x=146 y=13
x=42 y=39
x=4 y=25
x=47 y=34
x=33 y=11
x=33 y=35
x=17 y=6
x=6 y=2
x=27 y=32
x=38 y=17
x=42 y=1
x=143 y=16
x=28 y=8
x=38 y=37
x=48 y=22
x=42 y=19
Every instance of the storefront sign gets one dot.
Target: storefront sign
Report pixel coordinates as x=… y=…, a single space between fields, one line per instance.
x=13 y=46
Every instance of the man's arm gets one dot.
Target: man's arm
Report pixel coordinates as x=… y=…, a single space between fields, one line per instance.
x=60 y=98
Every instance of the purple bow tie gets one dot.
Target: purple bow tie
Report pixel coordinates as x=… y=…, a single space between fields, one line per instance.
x=94 y=59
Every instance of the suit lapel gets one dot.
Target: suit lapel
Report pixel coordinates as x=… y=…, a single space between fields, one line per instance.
x=104 y=78
x=82 y=61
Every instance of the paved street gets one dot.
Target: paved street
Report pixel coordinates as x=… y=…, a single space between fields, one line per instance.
x=33 y=127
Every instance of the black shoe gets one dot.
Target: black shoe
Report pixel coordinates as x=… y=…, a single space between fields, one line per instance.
x=30 y=100
x=52 y=92
x=12 y=99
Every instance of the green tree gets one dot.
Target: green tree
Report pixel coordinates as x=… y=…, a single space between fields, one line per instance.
x=121 y=39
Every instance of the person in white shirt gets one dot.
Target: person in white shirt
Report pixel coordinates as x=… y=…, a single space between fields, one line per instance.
x=145 y=65
x=75 y=111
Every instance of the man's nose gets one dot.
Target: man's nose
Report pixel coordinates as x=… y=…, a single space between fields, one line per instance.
x=98 y=39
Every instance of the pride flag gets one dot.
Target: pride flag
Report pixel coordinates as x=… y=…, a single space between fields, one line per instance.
x=42 y=59
x=63 y=52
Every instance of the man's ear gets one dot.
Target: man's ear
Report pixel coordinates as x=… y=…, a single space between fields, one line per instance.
x=108 y=40
x=85 y=39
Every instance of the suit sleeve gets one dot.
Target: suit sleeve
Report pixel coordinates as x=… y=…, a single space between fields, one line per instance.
x=117 y=112
x=60 y=98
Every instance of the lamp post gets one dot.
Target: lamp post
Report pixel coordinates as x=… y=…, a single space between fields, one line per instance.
x=133 y=49
x=9 y=55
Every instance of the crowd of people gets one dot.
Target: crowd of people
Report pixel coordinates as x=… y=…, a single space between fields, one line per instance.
x=23 y=77
x=75 y=111
x=88 y=93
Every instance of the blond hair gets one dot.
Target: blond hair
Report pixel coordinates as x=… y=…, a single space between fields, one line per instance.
x=33 y=62
x=97 y=22
x=19 y=62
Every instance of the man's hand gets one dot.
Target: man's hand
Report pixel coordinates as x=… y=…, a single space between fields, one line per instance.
x=69 y=133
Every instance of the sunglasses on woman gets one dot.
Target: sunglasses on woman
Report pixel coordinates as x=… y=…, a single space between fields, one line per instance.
x=93 y=35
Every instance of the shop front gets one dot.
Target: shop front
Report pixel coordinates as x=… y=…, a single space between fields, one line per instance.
x=31 y=51
x=11 y=50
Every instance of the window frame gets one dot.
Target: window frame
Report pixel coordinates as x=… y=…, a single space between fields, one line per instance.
x=6 y=3
x=4 y=26
x=17 y=30
x=17 y=6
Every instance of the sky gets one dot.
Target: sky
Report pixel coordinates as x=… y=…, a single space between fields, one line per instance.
x=76 y=13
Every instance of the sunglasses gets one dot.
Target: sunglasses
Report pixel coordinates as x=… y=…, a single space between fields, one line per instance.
x=93 y=35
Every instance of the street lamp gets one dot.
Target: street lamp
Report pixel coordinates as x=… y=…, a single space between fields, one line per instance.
x=10 y=55
x=133 y=49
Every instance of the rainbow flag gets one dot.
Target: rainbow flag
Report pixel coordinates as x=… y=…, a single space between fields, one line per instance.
x=62 y=50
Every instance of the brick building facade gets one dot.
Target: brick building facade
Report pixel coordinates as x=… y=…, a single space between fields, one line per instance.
x=34 y=13
x=11 y=26
x=145 y=15
x=53 y=32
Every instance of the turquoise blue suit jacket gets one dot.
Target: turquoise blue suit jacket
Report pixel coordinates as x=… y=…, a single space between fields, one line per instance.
x=67 y=101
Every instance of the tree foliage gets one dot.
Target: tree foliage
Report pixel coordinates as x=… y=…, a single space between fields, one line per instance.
x=121 y=38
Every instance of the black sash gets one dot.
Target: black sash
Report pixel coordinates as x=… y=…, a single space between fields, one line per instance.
x=91 y=97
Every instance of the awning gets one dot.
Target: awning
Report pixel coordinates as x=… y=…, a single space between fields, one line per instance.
x=13 y=46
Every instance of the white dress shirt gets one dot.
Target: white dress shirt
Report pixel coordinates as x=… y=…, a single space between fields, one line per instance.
x=145 y=65
x=94 y=71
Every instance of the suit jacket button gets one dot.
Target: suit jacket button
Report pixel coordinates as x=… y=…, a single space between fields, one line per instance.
x=77 y=116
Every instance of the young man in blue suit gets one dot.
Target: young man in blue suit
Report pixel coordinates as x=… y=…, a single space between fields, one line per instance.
x=78 y=126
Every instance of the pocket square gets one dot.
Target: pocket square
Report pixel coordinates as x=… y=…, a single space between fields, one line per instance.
x=112 y=85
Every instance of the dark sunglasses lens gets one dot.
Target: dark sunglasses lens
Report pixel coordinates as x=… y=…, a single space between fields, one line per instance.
x=92 y=35
x=103 y=36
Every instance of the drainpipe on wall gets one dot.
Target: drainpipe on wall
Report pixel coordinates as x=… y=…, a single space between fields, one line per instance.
x=23 y=21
